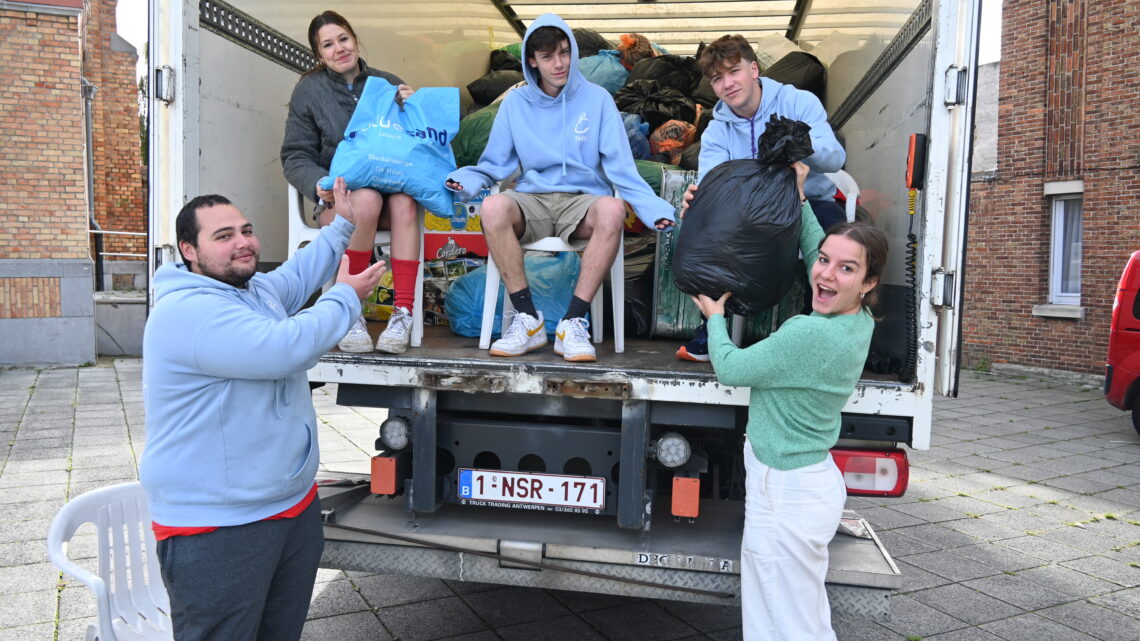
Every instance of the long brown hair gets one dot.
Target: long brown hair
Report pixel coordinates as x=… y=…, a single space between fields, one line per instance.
x=875 y=246
x=322 y=19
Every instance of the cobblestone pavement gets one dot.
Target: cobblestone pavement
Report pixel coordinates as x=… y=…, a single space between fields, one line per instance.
x=1022 y=522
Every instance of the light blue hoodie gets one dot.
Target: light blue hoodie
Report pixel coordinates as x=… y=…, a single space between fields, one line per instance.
x=730 y=137
x=231 y=431
x=573 y=143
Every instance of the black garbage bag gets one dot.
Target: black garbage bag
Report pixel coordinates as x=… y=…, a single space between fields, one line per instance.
x=784 y=141
x=703 y=94
x=656 y=104
x=672 y=72
x=703 y=119
x=690 y=158
x=502 y=60
x=741 y=231
x=801 y=70
x=590 y=42
x=484 y=90
x=640 y=254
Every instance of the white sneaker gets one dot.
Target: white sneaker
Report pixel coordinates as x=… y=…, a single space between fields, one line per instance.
x=526 y=333
x=395 y=338
x=357 y=339
x=572 y=340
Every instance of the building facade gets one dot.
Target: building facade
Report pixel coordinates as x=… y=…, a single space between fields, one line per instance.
x=46 y=308
x=54 y=54
x=1052 y=222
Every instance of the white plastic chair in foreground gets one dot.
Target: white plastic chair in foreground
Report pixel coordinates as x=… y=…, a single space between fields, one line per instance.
x=131 y=598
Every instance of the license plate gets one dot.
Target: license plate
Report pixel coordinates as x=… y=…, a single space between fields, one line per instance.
x=529 y=490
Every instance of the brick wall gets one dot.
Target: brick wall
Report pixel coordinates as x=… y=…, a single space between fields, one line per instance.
x=29 y=297
x=1069 y=91
x=42 y=211
x=109 y=64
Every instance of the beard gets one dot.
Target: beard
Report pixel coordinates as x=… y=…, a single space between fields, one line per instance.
x=230 y=274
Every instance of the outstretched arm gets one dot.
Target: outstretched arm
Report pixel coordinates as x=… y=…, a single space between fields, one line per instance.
x=811 y=234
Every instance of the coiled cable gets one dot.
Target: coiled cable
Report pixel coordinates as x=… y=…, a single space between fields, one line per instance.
x=907 y=372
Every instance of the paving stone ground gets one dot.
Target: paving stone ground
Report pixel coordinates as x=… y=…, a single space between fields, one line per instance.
x=1022 y=522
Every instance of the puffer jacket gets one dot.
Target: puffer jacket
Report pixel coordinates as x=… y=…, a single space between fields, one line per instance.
x=319 y=111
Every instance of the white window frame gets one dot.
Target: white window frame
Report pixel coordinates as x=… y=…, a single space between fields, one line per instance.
x=1060 y=194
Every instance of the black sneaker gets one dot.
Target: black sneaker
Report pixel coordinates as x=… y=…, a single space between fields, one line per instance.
x=696 y=349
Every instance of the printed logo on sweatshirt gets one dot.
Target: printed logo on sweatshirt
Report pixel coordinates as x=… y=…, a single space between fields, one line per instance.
x=581 y=128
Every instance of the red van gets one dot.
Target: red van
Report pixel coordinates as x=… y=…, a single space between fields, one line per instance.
x=1122 y=369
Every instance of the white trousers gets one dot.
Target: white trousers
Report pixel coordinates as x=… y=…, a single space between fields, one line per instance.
x=789 y=519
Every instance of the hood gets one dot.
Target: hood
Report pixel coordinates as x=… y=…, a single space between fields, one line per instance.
x=173 y=278
x=769 y=92
x=532 y=92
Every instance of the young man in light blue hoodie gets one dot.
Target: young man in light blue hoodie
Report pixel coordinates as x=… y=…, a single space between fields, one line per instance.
x=566 y=137
x=231 y=453
x=746 y=102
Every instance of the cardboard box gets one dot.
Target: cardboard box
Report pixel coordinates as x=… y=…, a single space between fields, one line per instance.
x=438 y=277
x=457 y=236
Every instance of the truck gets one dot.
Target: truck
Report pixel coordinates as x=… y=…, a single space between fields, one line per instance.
x=622 y=476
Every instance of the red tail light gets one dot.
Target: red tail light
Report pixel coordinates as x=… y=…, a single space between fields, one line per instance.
x=873 y=472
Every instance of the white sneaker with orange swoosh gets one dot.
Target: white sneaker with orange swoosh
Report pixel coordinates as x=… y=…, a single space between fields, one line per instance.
x=525 y=334
x=572 y=340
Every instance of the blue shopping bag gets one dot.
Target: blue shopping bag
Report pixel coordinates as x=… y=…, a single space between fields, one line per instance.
x=393 y=149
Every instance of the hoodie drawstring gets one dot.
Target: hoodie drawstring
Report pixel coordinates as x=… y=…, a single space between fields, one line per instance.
x=752 y=135
x=562 y=95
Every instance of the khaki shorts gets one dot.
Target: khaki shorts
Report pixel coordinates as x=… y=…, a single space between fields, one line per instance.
x=553 y=214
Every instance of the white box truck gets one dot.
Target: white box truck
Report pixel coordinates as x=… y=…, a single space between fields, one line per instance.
x=631 y=520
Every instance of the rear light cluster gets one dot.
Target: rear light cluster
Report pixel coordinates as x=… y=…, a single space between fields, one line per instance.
x=873 y=472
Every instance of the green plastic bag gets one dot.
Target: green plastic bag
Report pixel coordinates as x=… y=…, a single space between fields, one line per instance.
x=474 y=130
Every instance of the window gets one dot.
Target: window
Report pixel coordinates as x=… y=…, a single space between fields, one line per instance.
x=1065 y=254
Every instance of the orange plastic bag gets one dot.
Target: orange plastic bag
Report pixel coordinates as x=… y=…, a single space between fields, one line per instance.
x=671 y=138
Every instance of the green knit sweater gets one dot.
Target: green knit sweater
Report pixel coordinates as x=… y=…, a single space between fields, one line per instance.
x=801 y=375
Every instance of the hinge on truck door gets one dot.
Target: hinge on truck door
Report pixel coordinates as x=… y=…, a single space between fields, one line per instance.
x=164 y=84
x=942 y=288
x=956 y=78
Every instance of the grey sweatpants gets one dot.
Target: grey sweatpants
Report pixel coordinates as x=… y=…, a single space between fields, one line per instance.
x=249 y=582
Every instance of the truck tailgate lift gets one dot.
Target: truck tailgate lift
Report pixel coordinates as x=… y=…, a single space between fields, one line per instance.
x=860 y=579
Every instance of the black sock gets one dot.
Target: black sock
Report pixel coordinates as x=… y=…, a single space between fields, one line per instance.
x=577 y=309
x=523 y=303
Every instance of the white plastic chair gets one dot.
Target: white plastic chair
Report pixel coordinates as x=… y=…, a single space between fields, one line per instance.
x=556 y=244
x=850 y=189
x=131 y=598
x=301 y=232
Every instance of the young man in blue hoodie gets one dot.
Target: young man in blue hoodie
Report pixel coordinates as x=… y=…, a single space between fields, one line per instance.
x=746 y=102
x=566 y=137
x=231 y=453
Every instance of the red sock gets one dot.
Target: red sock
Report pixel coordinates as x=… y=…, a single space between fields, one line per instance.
x=404 y=274
x=358 y=261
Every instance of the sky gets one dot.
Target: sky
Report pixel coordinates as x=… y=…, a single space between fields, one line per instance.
x=131 y=15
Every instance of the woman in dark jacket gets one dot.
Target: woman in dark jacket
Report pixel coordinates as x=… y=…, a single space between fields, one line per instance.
x=319 y=111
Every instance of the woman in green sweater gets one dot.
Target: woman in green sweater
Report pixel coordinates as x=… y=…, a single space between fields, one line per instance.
x=801 y=376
